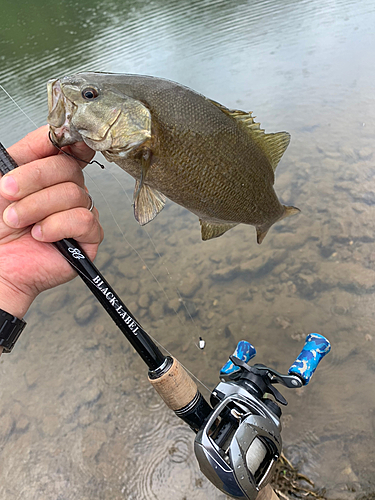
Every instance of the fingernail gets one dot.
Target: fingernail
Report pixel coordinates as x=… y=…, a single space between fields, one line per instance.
x=36 y=232
x=10 y=216
x=9 y=185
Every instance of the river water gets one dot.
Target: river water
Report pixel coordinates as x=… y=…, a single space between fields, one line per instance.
x=78 y=419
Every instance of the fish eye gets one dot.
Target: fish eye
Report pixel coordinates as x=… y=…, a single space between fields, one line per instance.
x=89 y=93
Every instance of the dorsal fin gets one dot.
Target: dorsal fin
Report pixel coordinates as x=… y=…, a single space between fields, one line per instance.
x=272 y=145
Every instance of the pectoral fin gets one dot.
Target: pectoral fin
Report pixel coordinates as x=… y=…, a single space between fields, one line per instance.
x=148 y=202
x=211 y=230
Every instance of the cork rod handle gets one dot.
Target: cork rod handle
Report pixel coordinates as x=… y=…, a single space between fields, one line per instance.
x=176 y=387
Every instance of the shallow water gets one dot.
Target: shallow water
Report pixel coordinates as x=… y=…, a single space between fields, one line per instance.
x=78 y=419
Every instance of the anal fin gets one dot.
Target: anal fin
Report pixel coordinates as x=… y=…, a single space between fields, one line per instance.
x=213 y=230
x=148 y=202
x=261 y=234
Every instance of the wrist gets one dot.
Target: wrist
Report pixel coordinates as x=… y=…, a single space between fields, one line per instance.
x=14 y=301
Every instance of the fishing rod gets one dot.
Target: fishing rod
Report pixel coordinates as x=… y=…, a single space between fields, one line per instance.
x=238 y=440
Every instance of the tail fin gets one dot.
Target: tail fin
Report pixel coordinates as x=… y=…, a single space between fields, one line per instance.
x=289 y=211
x=263 y=230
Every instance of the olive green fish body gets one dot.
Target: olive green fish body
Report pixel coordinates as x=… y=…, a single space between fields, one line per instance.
x=215 y=162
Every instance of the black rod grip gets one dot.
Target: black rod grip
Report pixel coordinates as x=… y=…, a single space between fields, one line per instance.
x=6 y=161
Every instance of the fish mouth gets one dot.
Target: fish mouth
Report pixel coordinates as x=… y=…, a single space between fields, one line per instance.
x=60 y=112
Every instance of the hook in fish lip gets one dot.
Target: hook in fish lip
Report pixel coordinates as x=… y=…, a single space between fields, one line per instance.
x=51 y=137
x=70 y=154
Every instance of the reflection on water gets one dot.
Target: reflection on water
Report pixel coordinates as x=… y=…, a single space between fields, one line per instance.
x=78 y=419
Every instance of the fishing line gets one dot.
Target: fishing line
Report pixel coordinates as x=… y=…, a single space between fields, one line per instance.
x=152 y=274
x=132 y=247
x=189 y=372
x=125 y=238
x=19 y=107
x=161 y=260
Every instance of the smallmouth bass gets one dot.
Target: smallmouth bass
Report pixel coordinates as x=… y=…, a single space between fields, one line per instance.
x=216 y=162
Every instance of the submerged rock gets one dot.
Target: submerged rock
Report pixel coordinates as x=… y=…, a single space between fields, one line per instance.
x=172 y=306
x=191 y=310
x=103 y=259
x=190 y=285
x=365 y=153
x=350 y=276
x=283 y=322
x=54 y=301
x=144 y=300
x=85 y=313
x=226 y=273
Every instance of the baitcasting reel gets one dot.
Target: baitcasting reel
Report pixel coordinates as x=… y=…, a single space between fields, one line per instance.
x=239 y=444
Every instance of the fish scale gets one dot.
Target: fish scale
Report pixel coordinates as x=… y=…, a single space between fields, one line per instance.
x=217 y=163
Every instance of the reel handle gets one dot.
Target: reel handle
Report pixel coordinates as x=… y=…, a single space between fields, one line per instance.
x=244 y=351
x=314 y=350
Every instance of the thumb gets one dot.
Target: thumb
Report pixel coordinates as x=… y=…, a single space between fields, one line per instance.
x=81 y=151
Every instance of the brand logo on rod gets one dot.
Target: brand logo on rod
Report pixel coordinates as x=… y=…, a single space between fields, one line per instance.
x=76 y=253
x=129 y=321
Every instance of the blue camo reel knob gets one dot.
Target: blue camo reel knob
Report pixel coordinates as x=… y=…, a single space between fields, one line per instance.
x=244 y=351
x=314 y=350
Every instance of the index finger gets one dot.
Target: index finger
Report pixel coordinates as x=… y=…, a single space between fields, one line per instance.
x=37 y=145
x=33 y=146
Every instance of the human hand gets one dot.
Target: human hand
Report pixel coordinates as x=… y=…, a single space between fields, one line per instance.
x=42 y=201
